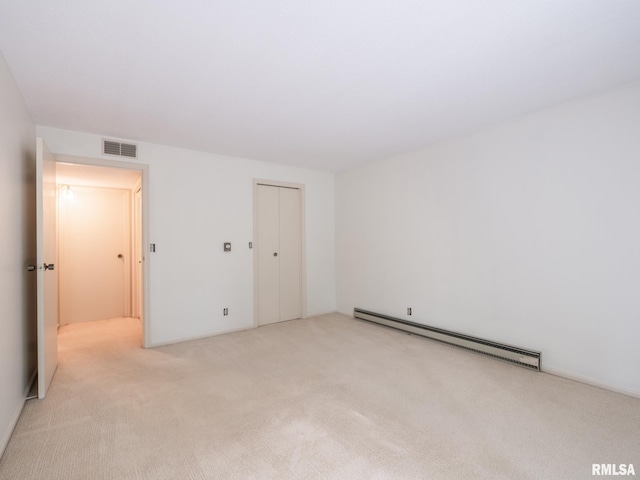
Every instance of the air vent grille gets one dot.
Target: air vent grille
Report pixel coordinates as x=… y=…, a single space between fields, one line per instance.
x=109 y=147
x=128 y=150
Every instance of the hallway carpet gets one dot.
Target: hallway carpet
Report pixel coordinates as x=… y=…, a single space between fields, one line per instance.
x=328 y=397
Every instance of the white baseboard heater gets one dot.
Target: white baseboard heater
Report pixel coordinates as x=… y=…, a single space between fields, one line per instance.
x=519 y=356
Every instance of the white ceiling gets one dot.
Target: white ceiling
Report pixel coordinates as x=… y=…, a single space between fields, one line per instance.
x=328 y=84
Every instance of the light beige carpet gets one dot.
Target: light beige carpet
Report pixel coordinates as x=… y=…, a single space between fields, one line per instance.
x=324 y=398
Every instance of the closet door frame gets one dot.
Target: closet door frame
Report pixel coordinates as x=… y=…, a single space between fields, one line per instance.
x=303 y=263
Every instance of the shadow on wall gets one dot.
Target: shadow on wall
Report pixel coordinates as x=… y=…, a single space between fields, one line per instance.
x=29 y=279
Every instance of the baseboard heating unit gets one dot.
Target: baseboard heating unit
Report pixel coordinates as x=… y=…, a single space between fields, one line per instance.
x=519 y=356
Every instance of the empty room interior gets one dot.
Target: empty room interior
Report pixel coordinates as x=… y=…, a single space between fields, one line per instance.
x=319 y=240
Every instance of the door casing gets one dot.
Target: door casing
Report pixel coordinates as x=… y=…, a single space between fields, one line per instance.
x=137 y=254
x=143 y=168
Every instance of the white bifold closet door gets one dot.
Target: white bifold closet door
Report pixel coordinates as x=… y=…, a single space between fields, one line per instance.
x=279 y=250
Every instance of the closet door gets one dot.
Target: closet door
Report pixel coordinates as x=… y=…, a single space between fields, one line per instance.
x=279 y=250
x=290 y=254
x=268 y=246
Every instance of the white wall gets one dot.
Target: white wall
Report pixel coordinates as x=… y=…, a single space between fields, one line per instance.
x=198 y=201
x=17 y=225
x=526 y=233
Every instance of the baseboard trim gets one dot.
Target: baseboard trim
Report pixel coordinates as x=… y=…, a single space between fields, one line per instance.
x=589 y=381
x=332 y=312
x=197 y=337
x=222 y=332
x=6 y=436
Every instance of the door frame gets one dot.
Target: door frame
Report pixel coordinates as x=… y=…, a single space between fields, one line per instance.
x=137 y=253
x=143 y=168
x=303 y=263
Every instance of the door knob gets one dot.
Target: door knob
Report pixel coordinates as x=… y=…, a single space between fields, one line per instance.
x=31 y=268
x=119 y=255
x=275 y=254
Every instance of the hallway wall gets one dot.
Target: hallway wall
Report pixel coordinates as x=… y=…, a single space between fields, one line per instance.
x=17 y=237
x=93 y=228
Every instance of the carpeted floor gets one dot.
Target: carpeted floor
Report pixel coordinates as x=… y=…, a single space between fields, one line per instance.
x=323 y=398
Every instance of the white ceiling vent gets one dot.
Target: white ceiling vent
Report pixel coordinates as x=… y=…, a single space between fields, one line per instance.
x=110 y=147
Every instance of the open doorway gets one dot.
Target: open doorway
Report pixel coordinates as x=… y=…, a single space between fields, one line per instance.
x=99 y=238
x=49 y=188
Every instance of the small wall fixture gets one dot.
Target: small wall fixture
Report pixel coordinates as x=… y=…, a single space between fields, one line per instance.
x=227 y=246
x=66 y=192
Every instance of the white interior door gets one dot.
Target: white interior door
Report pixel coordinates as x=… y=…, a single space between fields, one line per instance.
x=279 y=251
x=47 y=296
x=94 y=240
